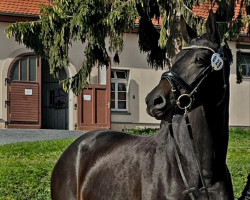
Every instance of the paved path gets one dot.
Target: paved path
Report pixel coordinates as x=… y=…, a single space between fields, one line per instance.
x=8 y=136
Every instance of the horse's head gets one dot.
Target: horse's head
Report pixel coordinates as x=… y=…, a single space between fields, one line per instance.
x=195 y=77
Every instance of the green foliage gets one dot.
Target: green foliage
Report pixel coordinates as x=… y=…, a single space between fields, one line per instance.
x=145 y=131
x=25 y=168
x=95 y=21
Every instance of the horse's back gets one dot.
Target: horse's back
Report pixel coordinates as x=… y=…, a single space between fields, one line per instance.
x=87 y=162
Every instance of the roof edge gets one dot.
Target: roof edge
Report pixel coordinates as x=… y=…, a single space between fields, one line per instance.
x=19 y=14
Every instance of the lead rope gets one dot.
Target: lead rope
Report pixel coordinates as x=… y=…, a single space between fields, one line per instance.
x=189 y=190
x=196 y=154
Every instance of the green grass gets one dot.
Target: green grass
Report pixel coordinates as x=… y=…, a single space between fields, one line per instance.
x=238 y=158
x=25 y=168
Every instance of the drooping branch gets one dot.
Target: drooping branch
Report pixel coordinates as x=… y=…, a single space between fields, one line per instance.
x=95 y=22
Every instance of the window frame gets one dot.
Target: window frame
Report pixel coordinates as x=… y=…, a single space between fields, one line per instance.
x=247 y=64
x=17 y=64
x=116 y=81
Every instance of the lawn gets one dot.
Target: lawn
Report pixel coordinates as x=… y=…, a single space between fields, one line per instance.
x=25 y=168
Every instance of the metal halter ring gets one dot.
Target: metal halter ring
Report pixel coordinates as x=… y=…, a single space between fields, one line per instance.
x=184 y=101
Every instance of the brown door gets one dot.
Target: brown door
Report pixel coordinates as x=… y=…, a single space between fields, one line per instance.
x=24 y=93
x=94 y=104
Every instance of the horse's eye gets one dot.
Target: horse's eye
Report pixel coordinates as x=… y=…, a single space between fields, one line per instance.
x=199 y=60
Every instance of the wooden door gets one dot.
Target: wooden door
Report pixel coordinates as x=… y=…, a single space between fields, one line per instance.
x=24 y=108
x=94 y=104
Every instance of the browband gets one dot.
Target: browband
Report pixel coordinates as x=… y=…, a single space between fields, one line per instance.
x=198 y=47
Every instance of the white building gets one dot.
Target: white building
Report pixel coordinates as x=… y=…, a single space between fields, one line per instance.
x=31 y=98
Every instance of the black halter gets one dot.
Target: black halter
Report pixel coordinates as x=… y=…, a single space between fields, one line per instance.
x=184 y=101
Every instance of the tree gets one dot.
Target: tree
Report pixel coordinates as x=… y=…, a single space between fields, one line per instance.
x=93 y=21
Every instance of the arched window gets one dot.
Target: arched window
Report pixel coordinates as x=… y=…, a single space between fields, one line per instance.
x=24 y=69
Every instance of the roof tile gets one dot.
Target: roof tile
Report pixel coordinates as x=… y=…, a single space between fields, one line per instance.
x=25 y=7
x=32 y=7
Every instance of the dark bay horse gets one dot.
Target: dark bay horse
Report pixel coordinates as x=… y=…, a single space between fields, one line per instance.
x=110 y=165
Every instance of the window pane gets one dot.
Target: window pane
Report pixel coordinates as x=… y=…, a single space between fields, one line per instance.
x=112 y=74
x=112 y=104
x=121 y=74
x=122 y=96
x=112 y=86
x=23 y=70
x=32 y=72
x=122 y=104
x=246 y=58
x=248 y=70
x=14 y=75
x=121 y=87
x=112 y=95
x=244 y=69
x=102 y=75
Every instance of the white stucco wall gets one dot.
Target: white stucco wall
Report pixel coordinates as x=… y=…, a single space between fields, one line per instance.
x=239 y=94
x=142 y=77
x=9 y=50
x=142 y=80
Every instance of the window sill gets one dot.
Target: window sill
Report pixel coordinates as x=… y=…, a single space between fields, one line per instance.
x=120 y=113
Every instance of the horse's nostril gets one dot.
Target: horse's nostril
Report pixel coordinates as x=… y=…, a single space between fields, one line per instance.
x=158 y=100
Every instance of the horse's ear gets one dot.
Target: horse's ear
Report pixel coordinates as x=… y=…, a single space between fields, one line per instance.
x=211 y=26
x=187 y=32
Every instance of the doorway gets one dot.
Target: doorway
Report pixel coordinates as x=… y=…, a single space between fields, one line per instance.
x=54 y=100
x=94 y=102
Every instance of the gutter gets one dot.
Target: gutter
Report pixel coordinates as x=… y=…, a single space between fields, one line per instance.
x=19 y=15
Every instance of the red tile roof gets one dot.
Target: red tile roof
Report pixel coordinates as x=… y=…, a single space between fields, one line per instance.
x=32 y=7
x=203 y=9
x=156 y=22
x=22 y=7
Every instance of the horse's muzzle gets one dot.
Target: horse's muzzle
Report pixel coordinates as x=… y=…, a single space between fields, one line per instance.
x=156 y=106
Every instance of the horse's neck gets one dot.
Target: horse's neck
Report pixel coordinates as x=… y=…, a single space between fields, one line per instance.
x=182 y=141
x=218 y=123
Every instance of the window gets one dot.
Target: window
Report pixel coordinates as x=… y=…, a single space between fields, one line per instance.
x=245 y=64
x=24 y=69
x=119 y=84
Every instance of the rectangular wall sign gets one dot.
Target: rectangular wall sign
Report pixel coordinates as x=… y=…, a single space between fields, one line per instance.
x=28 y=92
x=87 y=97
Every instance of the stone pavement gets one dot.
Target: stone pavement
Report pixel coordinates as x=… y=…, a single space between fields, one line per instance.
x=8 y=136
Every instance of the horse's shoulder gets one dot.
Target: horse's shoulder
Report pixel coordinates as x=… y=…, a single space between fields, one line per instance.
x=100 y=138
